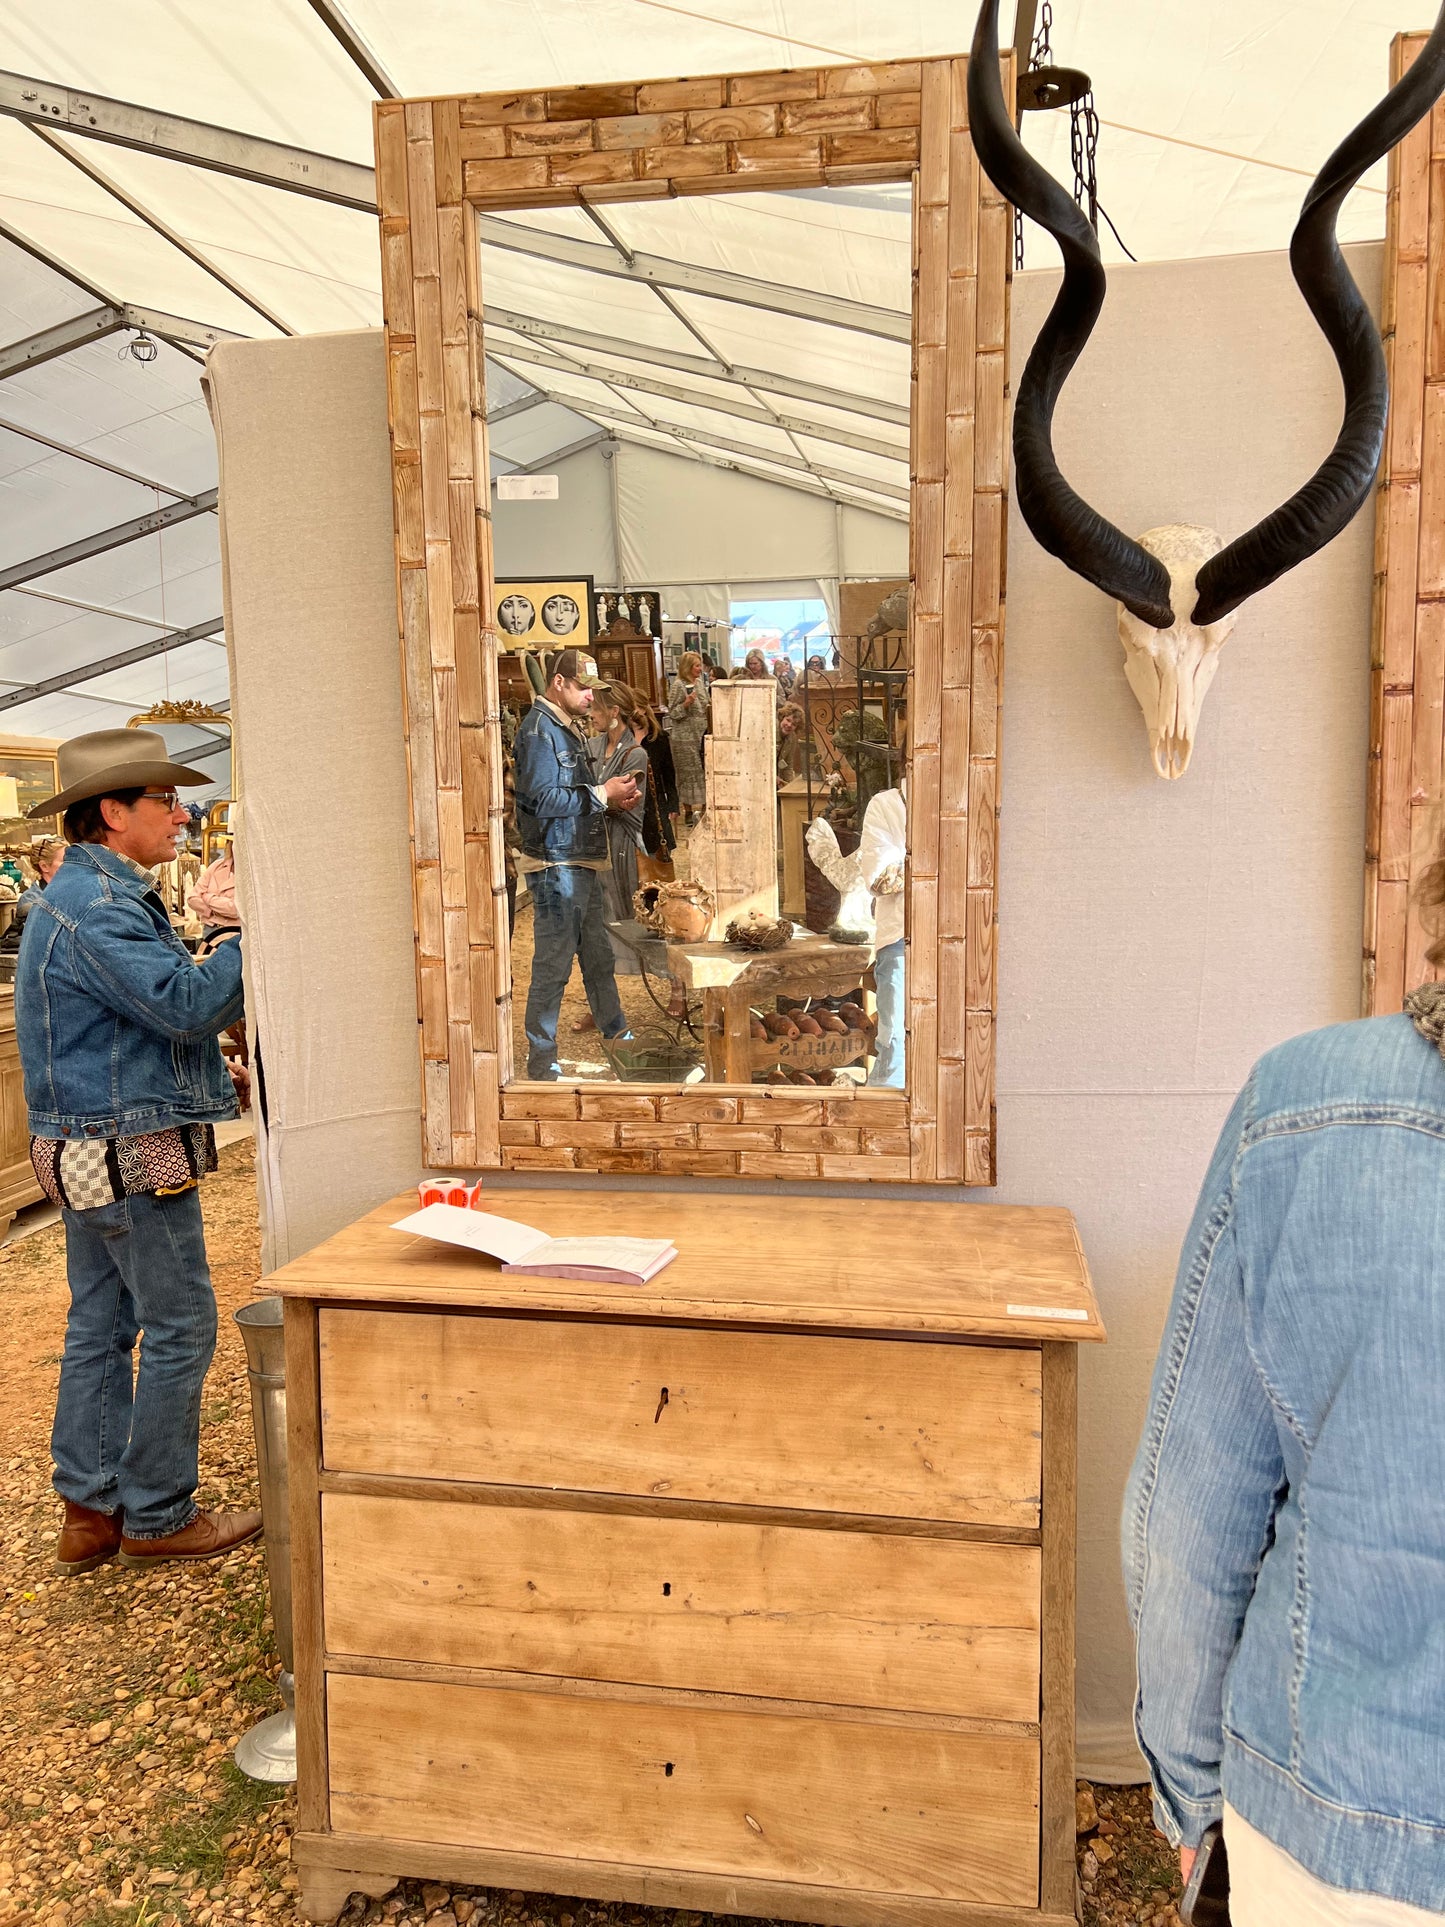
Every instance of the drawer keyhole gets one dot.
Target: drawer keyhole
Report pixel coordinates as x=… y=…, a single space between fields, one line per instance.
x=667 y=1589
x=667 y=1769
x=661 y=1406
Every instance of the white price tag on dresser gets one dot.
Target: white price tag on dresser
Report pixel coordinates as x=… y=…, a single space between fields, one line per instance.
x=1045 y=1311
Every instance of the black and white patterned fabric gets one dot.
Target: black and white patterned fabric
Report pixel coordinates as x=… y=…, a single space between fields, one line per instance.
x=84 y=1173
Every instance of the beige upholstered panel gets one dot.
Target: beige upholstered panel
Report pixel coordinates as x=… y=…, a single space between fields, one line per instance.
x=325 y=882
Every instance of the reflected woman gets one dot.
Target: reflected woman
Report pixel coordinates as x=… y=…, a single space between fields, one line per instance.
x=615 y=751
x=755 y=669
x=687 y=720
x=797 y=752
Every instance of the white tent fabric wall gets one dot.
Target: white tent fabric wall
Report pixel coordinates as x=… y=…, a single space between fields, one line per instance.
x=699 y=533
x=143 y=443
x=820 y=402
x=570 y=536
x=1203 y=150
x=683 y=523
x=1202 y=153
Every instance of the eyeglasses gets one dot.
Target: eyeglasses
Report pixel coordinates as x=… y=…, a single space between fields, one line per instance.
x=168 y=797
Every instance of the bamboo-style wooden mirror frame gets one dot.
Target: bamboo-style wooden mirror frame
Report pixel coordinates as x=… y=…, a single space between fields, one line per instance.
x=437 y=161
x=1406 y=774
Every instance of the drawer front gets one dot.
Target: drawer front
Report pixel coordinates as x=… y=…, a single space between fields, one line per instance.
x=904 y=1430
x=844 y=1618
x=830 y=1803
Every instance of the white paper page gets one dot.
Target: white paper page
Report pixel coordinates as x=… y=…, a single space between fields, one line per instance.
x=454 y=1224
x=616 y=1254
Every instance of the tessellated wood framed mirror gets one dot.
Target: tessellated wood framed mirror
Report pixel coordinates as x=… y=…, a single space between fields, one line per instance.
x=660 y=188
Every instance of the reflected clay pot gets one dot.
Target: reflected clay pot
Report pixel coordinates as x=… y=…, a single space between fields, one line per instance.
x=685 y=911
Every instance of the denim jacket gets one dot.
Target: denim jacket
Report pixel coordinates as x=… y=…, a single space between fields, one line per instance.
x=560 y=818
x=116 y=1023
x=1284 y=1529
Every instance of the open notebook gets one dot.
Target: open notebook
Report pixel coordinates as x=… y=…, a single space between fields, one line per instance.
x=614 y=1261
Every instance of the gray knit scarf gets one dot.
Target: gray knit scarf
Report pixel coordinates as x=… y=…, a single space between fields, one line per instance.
x=1427 y=1012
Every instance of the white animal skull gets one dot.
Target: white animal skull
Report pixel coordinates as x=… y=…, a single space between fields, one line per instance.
x=1170 y=670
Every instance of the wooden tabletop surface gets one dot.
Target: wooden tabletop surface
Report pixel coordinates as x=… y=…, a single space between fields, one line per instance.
x=715 y=966
x=837 y=1264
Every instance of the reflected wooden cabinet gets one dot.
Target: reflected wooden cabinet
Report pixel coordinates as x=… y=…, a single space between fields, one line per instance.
x=638 y=664
x=17 y=1179
x=748 y=1590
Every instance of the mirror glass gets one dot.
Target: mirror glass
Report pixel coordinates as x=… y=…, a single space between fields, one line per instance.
x=706 y=817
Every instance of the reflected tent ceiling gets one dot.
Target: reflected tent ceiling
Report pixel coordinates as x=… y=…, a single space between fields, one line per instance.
x=765 y=333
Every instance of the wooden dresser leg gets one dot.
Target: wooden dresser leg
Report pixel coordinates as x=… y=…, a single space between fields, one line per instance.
x=326 y=1890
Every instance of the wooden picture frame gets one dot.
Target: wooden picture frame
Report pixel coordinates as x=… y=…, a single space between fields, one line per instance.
x=536 y=593
x=610 y=623
x=1406 y=771
x=32 y=762
x=439 y=163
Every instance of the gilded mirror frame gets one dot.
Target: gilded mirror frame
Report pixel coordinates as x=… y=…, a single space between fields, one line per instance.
x=439 y=164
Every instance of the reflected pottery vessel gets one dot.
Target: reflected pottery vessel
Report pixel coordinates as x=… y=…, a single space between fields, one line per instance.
x=684 y=911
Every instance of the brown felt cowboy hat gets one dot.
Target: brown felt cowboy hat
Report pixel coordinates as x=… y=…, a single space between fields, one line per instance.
x=108 y=760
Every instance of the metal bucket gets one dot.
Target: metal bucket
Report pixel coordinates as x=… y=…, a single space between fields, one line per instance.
x=268 y=1751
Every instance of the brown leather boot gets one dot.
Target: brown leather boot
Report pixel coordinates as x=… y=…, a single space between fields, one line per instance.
x=208 y=1536
x=87 y=1539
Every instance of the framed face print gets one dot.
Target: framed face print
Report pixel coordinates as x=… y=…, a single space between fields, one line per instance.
x=551 y=613
x=630 y=612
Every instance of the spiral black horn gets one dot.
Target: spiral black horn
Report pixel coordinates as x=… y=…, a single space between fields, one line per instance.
x=1062 y=521
x=1316 y=513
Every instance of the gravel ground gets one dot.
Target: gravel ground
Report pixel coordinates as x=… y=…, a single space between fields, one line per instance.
x=122 y=1694
x=580 y=1053
x=1127 y=1870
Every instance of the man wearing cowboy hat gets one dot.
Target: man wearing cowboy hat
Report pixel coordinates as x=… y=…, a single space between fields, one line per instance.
x=125 y=1083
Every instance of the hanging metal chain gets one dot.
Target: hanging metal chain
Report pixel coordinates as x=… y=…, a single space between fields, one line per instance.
x=1083 y=144
x=1084 y=152
x=1041 y=53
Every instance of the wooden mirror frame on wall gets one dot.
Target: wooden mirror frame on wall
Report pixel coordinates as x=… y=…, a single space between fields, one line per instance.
x=439 y=164
x=1406 y=771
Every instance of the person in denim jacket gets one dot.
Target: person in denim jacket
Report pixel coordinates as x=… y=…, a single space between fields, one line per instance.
x=125 y=1083
x=1284 y=1527
x=562 y=834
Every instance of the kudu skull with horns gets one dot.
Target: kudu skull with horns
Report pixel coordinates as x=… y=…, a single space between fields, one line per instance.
x=1179 y=587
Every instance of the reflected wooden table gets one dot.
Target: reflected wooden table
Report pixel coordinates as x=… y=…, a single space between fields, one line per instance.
x=732 y=979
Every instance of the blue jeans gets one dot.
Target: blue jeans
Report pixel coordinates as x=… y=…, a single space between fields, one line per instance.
x=567 y=923
x=889 y=975
x=138 y=1264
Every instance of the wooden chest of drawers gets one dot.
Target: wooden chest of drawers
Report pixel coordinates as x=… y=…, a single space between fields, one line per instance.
x=750 y=1590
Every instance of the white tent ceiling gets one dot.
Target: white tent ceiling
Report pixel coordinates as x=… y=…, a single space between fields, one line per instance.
x=1214 y=118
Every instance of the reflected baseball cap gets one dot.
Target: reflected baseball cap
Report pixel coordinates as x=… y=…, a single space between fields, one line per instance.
x=574 y=665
